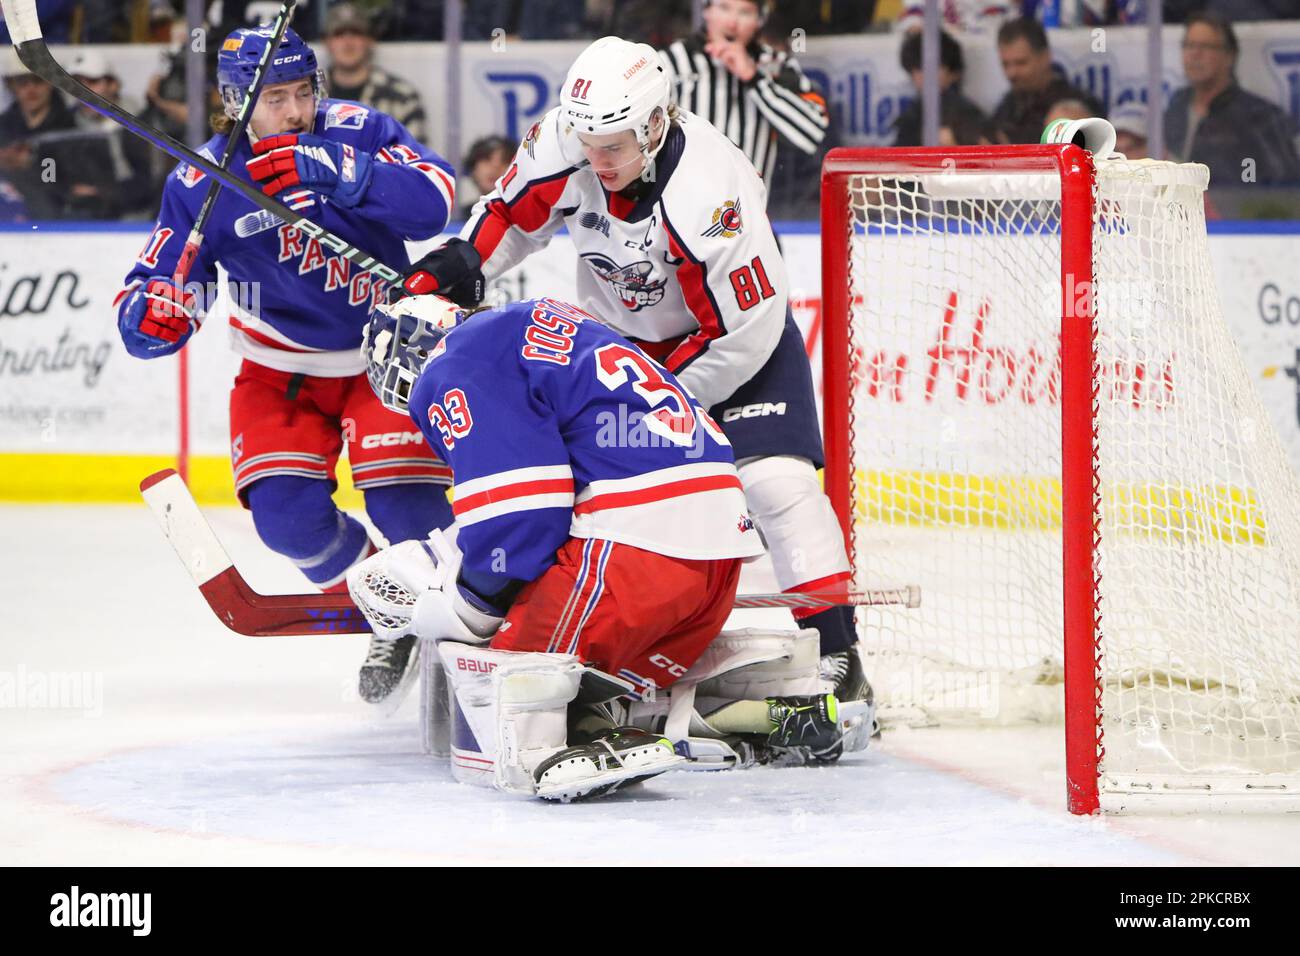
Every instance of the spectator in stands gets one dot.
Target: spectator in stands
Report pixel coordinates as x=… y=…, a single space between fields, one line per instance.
x=1069 y=109
x=167 y=108
x=12 y=206
x=352 y=74
x=1036 y=83
x=486 y=162
x=37 y=109
x=56 y=21
x=1130 y=122
x=755 y=94
x=1242 y=137
x=112 y=180
x=968 y=16
x=961 y=122
x=1087 y=13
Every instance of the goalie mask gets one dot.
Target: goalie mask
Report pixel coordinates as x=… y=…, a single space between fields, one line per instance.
x=616 y=85
x=400 y=339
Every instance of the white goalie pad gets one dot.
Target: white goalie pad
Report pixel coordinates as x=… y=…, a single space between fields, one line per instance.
x=742 y=664
x=496 y=714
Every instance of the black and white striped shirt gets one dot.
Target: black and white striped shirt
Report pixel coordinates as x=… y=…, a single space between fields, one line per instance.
x=778 y=102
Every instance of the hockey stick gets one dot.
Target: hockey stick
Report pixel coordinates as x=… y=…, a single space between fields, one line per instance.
x=191 y=251
x=245 y=611
x=25 y=31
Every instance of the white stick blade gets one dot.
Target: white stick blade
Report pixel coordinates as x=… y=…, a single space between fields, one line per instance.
x=20 y=16
x=184 y=525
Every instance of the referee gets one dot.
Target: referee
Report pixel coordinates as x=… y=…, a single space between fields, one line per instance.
x=753 y=93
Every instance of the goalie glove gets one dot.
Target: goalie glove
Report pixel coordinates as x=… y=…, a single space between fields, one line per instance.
x=453 y=270
x=322 y=165
x=410 y=589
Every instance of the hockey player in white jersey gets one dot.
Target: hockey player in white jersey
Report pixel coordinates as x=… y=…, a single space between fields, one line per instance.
x=668 y=218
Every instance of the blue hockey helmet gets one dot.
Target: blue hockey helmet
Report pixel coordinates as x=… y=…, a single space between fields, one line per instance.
x=400 y=339
x=241 y=52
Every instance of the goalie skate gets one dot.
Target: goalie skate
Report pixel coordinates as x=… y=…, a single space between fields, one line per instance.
x=617 y=758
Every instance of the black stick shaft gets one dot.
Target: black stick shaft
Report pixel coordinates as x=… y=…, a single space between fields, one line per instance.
x=36 y=56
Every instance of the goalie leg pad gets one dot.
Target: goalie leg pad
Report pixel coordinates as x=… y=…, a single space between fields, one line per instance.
x=742 y=664
x=508 y=712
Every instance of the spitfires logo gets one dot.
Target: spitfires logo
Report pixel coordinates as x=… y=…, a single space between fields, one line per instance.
x=530 y=139
x=746 y=523
x=726 y=220
x=346 y=116
x=632 y=284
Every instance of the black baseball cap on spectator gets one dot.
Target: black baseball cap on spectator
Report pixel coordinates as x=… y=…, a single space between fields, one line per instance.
x=950 y=55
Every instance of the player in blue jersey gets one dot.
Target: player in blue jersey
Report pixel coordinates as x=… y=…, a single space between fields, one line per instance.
x=598 y=513
x=297 y=313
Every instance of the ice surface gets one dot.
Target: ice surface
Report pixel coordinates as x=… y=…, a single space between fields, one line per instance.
x=178 y=742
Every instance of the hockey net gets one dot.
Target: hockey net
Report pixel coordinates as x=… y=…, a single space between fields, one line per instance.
x=1035 y=411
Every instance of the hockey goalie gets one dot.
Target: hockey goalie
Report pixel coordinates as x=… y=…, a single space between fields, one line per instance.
x=600 y=528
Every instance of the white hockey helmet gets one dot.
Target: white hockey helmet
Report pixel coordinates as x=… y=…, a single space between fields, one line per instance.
x=616 y=85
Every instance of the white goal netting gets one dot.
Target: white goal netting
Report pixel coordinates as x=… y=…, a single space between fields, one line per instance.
x=955 y=428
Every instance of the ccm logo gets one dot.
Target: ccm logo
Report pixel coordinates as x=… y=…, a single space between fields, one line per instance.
x=757 y=410
x=478 y=667
x=671 y=666
x=392 y=439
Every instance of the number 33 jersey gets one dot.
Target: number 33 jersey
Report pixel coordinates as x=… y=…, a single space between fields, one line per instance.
x=556 y=427
x=693 y=262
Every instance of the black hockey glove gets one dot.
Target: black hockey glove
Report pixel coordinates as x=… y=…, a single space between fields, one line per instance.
x=453 y=271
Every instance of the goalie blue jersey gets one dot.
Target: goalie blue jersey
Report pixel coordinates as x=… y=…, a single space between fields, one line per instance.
x=294 y=305
x=556 y=426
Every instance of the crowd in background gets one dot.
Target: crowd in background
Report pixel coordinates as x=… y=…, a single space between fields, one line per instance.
x=113 y=175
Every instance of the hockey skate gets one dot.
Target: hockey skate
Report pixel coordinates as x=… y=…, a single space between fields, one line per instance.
x=616 y=758
x=805 y=727
x=843 y=671
x=389 y=668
